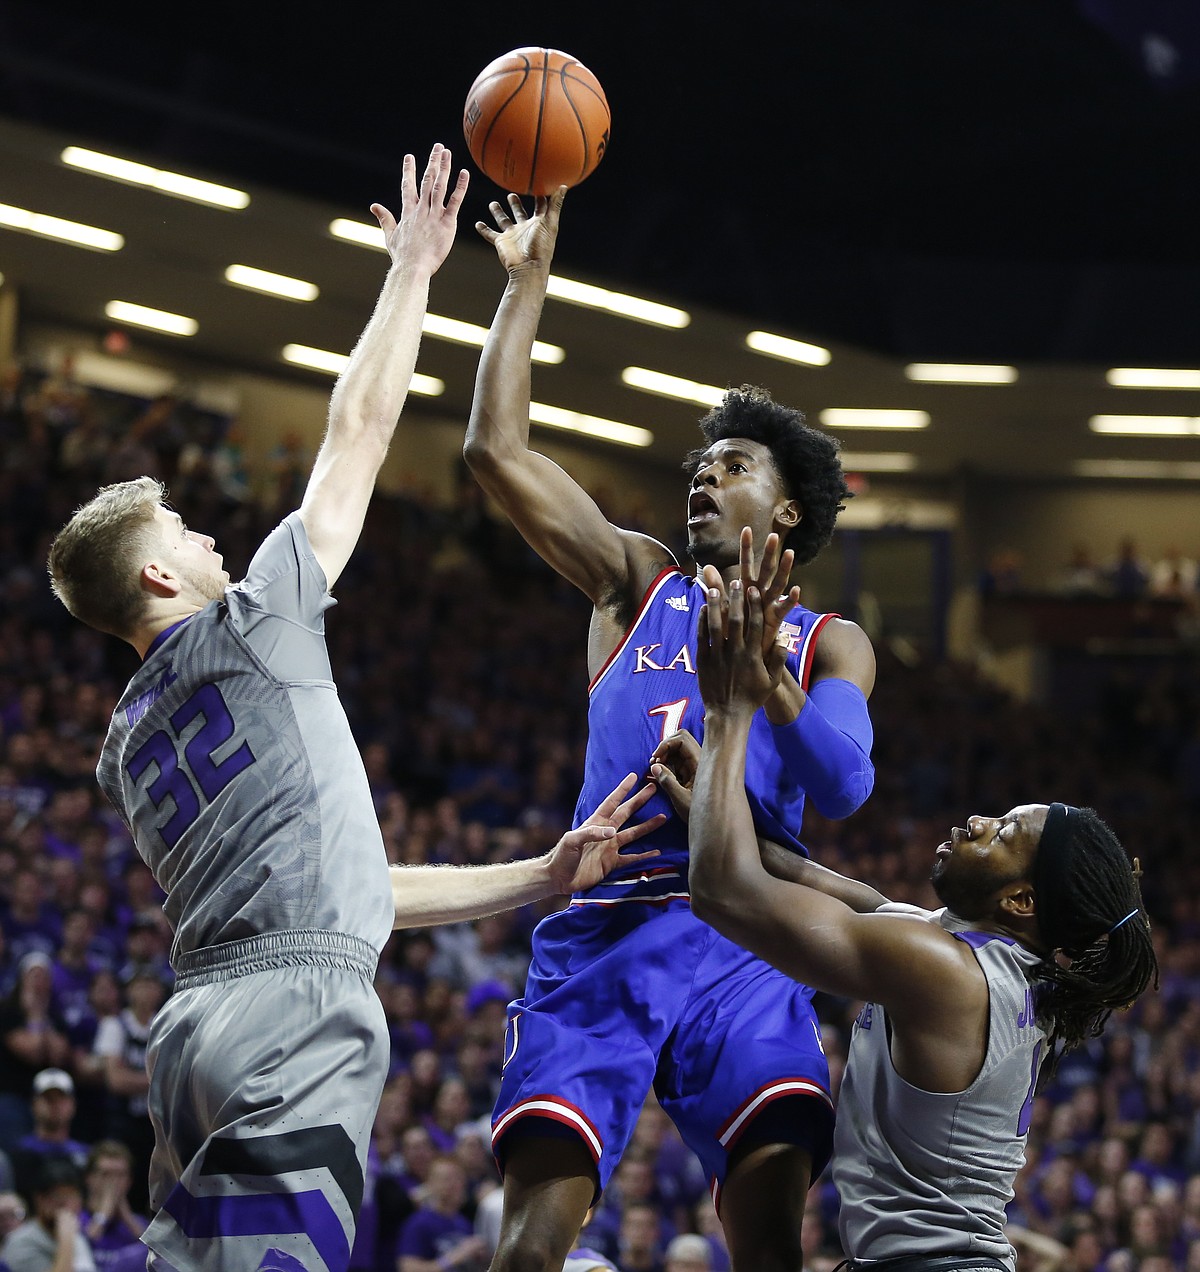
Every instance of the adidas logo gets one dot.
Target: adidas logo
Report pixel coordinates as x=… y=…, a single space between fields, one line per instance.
x=679 y=603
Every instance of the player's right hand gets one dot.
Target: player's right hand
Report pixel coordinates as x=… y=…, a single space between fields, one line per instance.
x=734 y=673
x=673 y=767
x=521 y=239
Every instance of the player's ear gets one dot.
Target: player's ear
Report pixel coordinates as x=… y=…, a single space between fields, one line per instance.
x=1017 y=900
x=157 y=581
x=789 y=514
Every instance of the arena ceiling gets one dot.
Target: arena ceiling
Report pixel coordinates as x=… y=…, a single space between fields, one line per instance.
x=896 y=181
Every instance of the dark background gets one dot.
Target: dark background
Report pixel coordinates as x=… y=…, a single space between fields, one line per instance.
x=1004 y=181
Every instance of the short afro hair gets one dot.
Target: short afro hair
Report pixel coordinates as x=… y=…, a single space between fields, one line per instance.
x=805 y=458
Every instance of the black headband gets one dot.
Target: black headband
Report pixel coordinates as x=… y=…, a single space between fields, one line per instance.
x=1053 y=868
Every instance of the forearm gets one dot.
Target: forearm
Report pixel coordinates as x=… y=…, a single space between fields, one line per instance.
x=723 y=845
x=499 y=424
x=426 y=896
x=826 y=747
x=793 y=868
x=370 y=393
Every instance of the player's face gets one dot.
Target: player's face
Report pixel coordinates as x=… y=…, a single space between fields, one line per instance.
x=191 y=557
x=985 y=855
x=735 y=484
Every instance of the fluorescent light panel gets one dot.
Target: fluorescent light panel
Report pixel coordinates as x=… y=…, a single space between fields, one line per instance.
x=809 y=355
x=589 y=425
x=141 y=174
x=672 y=386
x=1145 y=425
x=335 y=363
x=878 y=461
x=470 y=333
x=614 y=302
x=1146 y=469
x=1152 y=378
x=155 y=319
x=959 y=373
x=868 y=417
x=365 y=234
x=262 y=280
x=54 y=227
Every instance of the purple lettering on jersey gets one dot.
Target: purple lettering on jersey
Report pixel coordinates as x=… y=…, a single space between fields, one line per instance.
x=1025 y=1018
x=142 y=703
x=864 y=1017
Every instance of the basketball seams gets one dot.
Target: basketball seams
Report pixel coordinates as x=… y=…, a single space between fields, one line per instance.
x=561 y=130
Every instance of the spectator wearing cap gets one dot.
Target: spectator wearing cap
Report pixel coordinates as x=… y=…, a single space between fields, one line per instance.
x=121 y=1041
x=51 y=1240
x=53 y=1106
x=33 y=1037
x=688 y=1252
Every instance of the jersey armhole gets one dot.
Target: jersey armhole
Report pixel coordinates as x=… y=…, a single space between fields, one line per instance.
x=647 y=597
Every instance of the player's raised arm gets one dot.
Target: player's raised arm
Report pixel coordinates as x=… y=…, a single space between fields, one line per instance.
x=370 y=392
x=554 y=514
x=816 y=938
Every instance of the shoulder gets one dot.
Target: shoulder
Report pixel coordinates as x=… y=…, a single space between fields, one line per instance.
x=645 y=560
x=844 y=650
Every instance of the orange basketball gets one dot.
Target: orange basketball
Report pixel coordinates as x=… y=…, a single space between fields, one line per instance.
x=536 y=119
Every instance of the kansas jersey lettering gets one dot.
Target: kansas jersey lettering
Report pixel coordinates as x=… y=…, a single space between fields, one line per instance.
x=648 y=690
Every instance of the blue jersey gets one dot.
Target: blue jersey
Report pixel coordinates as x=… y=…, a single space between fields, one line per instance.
x=647 y=690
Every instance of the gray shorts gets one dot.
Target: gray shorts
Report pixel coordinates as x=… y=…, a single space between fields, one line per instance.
x=266 y=1068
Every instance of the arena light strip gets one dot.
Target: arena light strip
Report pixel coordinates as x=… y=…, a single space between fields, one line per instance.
x=1145 y=425
x=470 y=333
x=960 y=373
x=335 y=363
x=672 y=386
x=878 y=461
x=262 y=280
x=175 y=184
x=869 y=417
x=154 y=319
x=1152 y=378
x=54 y=227
x=1143 y=469
x=590 y=425
x=572 y=291
x=614 y=302
x=809 y=355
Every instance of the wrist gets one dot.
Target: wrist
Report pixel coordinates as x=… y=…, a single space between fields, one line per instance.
x=786 y=703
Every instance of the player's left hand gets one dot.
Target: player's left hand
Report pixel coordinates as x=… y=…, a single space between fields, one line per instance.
x=673 y=766
x=583 y=856
x=733 y=672
x=424 y=234
x=770 y=578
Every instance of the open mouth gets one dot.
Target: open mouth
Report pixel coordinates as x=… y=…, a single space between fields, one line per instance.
x=702 y=507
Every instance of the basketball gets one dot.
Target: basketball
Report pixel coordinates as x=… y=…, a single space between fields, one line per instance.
x=536 y=119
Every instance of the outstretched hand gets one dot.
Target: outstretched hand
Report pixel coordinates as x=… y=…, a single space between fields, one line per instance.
x=521 y=239
x=583 y=856
x=771 y=580
x=425 y=231
x=734 y=672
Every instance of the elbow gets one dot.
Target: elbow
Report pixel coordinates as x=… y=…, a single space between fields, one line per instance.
x=714 y=896
x=850 y=796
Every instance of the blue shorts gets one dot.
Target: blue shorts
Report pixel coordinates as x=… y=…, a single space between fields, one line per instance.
x=624 y=997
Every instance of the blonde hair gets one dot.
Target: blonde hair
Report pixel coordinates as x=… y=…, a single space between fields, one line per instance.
x=94 y=561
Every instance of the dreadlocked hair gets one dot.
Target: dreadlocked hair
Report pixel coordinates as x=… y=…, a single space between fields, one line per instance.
x=1100 y=956
x=805 y=458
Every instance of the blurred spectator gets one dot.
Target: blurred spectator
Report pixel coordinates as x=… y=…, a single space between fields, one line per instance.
x=1082 y=576
x=1128 y=575
x=110 y=1225
x=12 y=1213
x=639 y=1244
x=1174 y=575
x=688 y=1252
x=51 y=1240
x=438 y=1236
x=53 y=1106
x=32 y=1037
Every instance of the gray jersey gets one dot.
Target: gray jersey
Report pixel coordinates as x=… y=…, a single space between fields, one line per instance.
x=231 y=760
x=920 y=1173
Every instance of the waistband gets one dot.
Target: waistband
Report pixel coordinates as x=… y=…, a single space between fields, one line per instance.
x=298 y=948
x=928 y=1263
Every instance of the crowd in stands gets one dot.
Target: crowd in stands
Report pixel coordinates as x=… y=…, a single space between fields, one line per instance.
x=461 y=662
